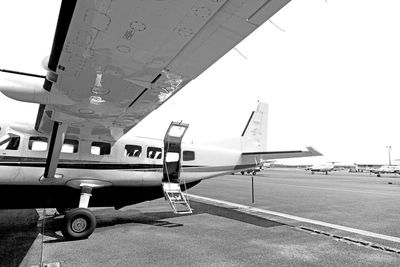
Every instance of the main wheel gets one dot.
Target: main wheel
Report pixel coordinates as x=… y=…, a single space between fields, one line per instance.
x=78 y=224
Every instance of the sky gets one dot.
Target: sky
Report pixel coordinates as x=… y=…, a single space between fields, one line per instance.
x=329 y=71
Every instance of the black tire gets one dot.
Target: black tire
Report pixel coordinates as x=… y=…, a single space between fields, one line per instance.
x=254 y=173
x=79 y=223
x=242 y=173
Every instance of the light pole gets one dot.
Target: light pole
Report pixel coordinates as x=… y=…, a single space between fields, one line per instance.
x=389 y=148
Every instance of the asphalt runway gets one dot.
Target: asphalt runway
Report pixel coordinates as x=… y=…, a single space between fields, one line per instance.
x=298 y=219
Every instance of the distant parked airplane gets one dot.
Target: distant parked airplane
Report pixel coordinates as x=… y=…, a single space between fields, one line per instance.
x=327 y=167
x=393 y=169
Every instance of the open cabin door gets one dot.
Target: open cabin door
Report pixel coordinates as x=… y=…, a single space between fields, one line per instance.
x=172 y=168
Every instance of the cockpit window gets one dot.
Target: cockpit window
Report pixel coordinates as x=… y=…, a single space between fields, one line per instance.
x=9 y=142
x=37 y=143
x=154 y=152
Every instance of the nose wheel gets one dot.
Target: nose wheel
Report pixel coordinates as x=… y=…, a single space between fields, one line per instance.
x=79 y=223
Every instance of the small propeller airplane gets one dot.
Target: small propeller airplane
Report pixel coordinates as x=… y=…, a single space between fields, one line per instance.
x=327 y=167
x=111 y=64
x=390 y=169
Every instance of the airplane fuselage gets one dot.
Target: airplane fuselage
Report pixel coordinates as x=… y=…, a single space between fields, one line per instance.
x=125 y=172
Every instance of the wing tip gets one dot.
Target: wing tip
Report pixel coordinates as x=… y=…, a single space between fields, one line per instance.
x=313 y=151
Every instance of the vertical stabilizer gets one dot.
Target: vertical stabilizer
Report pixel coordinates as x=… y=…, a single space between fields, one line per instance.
x=254 y=136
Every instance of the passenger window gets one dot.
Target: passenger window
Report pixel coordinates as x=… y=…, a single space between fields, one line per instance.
x=188 y=155
x=133 y=151
x=100 y=148
x=9 y=142
x=70 y=146
x=37 y=143
x=154 y=152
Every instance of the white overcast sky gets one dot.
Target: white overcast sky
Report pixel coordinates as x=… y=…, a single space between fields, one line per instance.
x=330 y=78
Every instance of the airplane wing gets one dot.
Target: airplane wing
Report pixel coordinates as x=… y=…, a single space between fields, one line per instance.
x=114 y=62
x=251 y=156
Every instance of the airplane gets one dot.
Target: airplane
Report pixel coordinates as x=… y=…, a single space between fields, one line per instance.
x=392 y=169
x=111 y=64
x=261 y=164
x=327 y=167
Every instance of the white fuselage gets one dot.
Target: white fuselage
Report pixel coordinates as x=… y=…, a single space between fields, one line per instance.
x=25 y=165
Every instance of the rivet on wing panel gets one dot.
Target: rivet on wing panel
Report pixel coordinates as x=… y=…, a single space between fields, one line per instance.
x=137 y=26
x=202 y=12
x=184 y=32
x=123 y=49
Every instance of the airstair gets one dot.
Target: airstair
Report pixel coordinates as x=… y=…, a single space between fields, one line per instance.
x=177 y=200
x=172 y=168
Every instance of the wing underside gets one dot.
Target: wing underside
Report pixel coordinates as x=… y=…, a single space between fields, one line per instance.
x=115 y=61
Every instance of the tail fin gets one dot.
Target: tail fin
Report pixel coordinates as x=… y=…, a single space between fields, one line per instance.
x=254 y=136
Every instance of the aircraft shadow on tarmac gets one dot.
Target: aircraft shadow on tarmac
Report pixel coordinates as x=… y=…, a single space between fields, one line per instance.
x=18 y=231
x=20 y=228
x=109 y=217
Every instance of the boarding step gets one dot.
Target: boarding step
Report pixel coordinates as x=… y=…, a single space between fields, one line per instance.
x=177 y=200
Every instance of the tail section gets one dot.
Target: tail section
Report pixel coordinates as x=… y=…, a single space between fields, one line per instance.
x=254 y=136
x=254 y=140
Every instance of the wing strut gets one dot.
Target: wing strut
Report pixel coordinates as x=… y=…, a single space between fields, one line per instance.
x=172 y=168
x=53 y=156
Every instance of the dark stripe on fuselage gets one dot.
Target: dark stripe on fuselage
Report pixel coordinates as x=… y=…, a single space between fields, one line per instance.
x=98 y=165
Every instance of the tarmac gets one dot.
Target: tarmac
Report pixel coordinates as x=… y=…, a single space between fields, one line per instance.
x=298 y=219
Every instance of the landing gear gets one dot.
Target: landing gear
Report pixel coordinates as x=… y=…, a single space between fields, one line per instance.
x=326 y=173
x=79 y=223
x=62 y=211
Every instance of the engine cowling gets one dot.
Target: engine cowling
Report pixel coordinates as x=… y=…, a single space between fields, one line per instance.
x=30 y=89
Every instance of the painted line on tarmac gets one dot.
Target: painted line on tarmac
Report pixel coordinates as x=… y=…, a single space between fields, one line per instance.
x=297 y=218
x=310 y=187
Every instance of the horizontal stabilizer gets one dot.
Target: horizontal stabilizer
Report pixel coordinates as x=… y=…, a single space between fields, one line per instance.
x=310 y=152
